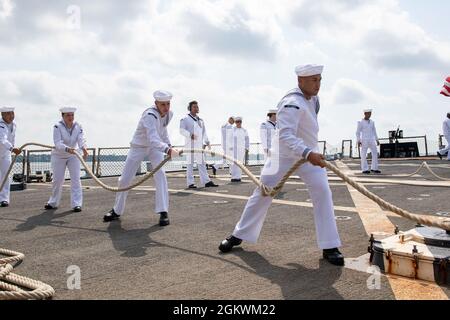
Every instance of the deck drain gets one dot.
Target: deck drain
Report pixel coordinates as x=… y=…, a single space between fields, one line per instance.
x=415 y=199
x=220 y=202
x=443 y=214
x=343 y=218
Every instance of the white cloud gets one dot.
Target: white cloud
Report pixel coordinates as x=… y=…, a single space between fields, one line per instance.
x=232 y=56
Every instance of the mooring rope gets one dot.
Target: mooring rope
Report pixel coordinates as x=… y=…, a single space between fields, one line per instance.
x=426 y=166
x=266 y=191
x=12 y=282
x=12 y=285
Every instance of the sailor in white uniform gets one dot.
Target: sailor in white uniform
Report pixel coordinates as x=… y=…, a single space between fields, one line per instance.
x=227 y=141
x=151 y=140
x=298 y=138
x=192 y=127
x=446 y=131
x=68 y=137
x=367 y=138
x=7 y=142
x=241 y=145
x=268 y=131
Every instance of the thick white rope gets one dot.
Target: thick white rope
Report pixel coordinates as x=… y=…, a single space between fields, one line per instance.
x=12 y=285
x=266 y=191
x=426 y=166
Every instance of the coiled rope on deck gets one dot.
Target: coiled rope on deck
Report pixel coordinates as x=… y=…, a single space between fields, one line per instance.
x=11 y=284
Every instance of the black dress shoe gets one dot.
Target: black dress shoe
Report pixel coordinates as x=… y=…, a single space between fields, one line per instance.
x=439 y=155
x=376 y=171
x=77 y=209
x=110 y=216
x=4 y=204
x=236 y=180
x=211 y=184
x=192 y=186
x=49 y=207
x=366 y=172
x=334 y=256
x=164 y=219
x=228 y=244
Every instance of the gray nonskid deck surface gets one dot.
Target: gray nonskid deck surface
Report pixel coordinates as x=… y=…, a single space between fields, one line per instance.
x=136 y=259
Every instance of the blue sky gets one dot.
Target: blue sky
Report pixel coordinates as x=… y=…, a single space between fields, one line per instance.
x=234 y=57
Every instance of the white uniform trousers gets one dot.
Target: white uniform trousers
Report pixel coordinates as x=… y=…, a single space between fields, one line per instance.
x=204 y=177
x=236 y=172
x=447 y=149
x=226 y=162
x=134 y=159
x=315 y=178
x=59 y=165
x=366 y=145
x=5 y=162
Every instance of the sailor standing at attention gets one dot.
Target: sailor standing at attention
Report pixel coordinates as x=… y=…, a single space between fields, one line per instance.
x=241 y=145
x=68 y=135
x=367 y=138
x=151 y=140
x=227 y=142
x=194 y=131
x=7 y=141
x=298 y=139
x=446 y=131
x=268 y=130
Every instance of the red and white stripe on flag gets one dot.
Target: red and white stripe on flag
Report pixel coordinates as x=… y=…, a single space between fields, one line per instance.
x=446 y=88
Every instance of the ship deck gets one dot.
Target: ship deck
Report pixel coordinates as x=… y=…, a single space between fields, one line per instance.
x=135 y=258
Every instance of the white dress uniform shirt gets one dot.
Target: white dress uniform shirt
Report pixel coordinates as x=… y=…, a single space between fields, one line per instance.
x=227 y=137
x=446 y=128
x=298 y=126
x=268 y=131
x=366 y=131
x=7 y=137
x=7 y=142
x=65 y=138
x=152 y=131
x=446 y=131
x=189 y=126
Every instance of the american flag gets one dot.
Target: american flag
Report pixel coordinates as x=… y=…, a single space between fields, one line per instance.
x=446 y=88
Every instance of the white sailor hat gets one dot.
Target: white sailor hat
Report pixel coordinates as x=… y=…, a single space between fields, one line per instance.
x=308 y=70
x=367 y=110
x=271 y=111
x=162 y=96
x=68 y=110
x=237 y=118
x=7 y=109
